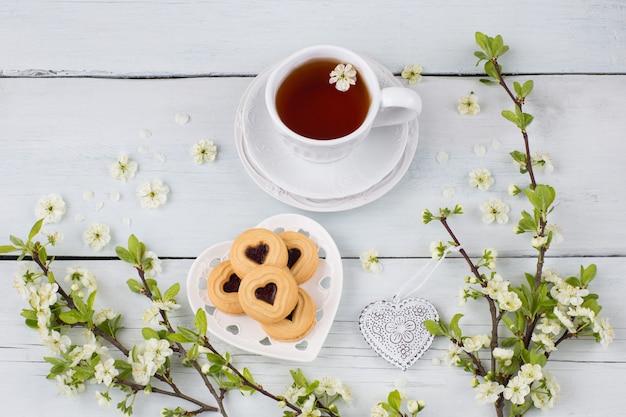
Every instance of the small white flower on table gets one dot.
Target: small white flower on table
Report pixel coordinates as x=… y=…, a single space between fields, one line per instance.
x=413 y=73
x=469 y=104
x=50 y=208
x=203 y=151
x=481 y=178
x=123 y=168
x=153 y=194
x=495 y=210
x=97 y=236
x=343 y=76
x=369 y=261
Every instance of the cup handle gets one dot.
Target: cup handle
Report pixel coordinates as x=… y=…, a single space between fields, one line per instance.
x=397 y=105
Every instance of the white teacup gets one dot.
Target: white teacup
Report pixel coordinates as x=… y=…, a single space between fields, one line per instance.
x=387 y=106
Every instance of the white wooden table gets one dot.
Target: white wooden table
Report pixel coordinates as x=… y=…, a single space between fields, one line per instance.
x=79 y=81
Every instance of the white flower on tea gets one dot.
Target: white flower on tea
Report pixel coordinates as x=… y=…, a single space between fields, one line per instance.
x=481 y=179
x=469 y=104
x=413 y=73
x=203 y=151
x=153 y=194
x=488 y=392
x=50 y=208
x=495 y=210
x=97 y=236
x=343 y=76
x=123 y=168
x=370 y=262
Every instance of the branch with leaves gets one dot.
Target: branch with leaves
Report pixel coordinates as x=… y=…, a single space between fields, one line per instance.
x=85 y=357
x=536 y=315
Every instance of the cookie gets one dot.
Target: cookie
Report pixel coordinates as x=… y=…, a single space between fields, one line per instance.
x=256 y=247
x=223 y=288
x=302 y=255
x=268 y=293
x=297 y=324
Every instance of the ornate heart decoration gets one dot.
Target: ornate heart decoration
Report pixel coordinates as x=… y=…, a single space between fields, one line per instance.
x=395 y=330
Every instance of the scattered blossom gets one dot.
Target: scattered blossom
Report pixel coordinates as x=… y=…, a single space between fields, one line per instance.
x=481 y=178
x=495 y=210
x=203 y=151
x=469 y=104
x=97 y=236
x=413 y=73
x=123 y=168
x=488 y=392
x=50 y=208
x=370 y=262
x=181 y=118
x=343 y=76
x=153 y=194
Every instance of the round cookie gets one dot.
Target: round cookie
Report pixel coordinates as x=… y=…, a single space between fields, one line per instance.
x=223 y=288
x=297 y=324
x=268 y=293
x=256 y=247
x=302 y=255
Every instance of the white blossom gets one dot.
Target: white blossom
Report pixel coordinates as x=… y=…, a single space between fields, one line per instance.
x=481 y=179
x=53 y=237
x=158 y=350
x=154 y=267
x=79 y=278
x=379 y=411
x=151 y=315
x=203 y=151
x=530 y=373
x=495 y=210
x=97 y=236
x=544 y=341
x=123 y=168
x=539 y=242
x=509 y=301
x=25 y=276
x=516 y=390
x=453 y=354
x=557 y=232
x=542 y=161
x=369 y=261
x=567 y=294
x=413 y=73
x=50 y=208
x=343 y=76
x=549 y=326
x=565 y=320
x=104 y=400
x=103 y=315
x=474 y=344
x=105 y=371
x=292 y=394
x=488 y=392
x=603 y=328
x=143 y=369
x=56 y=342
x=153 y=194
x=503 y=355
x=469 y=104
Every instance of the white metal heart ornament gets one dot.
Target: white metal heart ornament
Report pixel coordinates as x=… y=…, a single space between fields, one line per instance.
x=395 y=330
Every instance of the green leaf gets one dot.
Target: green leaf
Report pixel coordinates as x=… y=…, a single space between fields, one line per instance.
x=588 y=274
x=35 y=229
x=7 y=249
x=171 y=292
x=527 y=88
x=482 y=41
x=299 y=378
x=16 y=241
x=434 y=328
x=189 y=335
x=42 y=254
x=134 y=285
x=490 y=70
x=149 y=333
x=124 y=255
x=454 y=326
x=394 y=400
x=511 y=117
x=541 y=197
x=134 y=248
x=193 y=352
x=71 y=317
x=200 y=322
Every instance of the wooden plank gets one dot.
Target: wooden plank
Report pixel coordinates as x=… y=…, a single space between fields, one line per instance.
x=60 y=135
x=577 y=365
x=189 y=38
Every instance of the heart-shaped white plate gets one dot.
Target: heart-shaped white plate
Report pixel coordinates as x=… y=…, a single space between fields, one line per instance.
x=395 y=330
x=325 y=288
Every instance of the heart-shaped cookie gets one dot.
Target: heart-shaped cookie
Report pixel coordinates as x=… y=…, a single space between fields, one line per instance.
x=395 y=330
x=268 y=293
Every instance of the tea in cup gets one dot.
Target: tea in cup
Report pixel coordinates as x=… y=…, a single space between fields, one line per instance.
x=323 y=100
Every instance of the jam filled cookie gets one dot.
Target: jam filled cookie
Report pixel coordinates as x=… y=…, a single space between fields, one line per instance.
x=223 y=288
x=268 y=293
x=302 y=255
x=297 y=324
x=256 y=247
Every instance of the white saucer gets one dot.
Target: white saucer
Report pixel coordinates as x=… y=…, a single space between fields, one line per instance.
x=370 y=162
x=346 y=202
